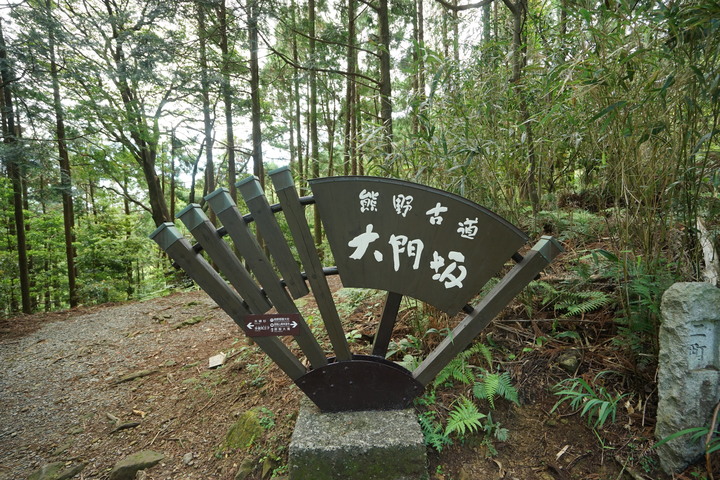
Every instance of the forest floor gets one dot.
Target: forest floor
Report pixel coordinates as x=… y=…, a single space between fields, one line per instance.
x=65 y=395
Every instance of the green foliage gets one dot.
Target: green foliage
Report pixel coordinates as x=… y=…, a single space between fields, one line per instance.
x=459 y=368
x=697 y=434
x=433 y=432
x=579 y=226
x=569 y=300
x=641 y=285
x=597 y=403
x=578 y=303
x=487 y=385
x=490 y=385
x=266 y=418
x=109 y=249
x=353 y=299
x=707 y=435
x=409 y=345
x=464 y=418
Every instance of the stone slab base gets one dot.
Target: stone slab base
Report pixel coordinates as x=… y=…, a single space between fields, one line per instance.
x=372 y=445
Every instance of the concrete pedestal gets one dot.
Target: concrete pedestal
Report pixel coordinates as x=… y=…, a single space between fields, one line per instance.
x=371 y=445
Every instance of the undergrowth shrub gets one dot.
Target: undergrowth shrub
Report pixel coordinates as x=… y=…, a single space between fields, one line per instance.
x=640 y=285
x=594 y=401
x=465 y=417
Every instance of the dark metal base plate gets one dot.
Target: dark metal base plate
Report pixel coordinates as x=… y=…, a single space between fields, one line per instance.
x=364 y=383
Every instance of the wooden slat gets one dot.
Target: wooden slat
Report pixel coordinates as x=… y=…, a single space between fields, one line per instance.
x=205 y=233
x=387 y=323
x=512 y=283
x=295 y=217
x=224 y=207
x=254 y=196
x=180 y=250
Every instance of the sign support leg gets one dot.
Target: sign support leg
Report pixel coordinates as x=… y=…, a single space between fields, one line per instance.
x=387 y=323
x=463 y=334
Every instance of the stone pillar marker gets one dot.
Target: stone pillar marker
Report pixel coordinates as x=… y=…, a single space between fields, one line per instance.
x=688 y=369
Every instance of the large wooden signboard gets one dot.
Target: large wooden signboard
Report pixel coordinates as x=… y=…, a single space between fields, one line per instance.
x=411 y=239
x=392 y=235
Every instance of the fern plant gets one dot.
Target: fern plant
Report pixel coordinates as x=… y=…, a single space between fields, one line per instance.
x=490 y=385
x=493 y=430
x=459 y=369
x=464 y=418
x=432 y=430
x=568 y=301
x=582 y=302
x=641 y=286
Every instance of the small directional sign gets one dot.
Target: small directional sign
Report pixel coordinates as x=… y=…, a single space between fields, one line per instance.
x=272 y=325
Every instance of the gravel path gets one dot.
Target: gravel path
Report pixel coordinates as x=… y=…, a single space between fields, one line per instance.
x=59 y=382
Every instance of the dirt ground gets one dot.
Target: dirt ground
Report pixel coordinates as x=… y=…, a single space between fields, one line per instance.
x=66 y=394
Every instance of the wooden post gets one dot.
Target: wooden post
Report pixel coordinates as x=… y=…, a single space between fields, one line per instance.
x=252 y=192
x=204 y=232
x=387 y=323
x=295 y=216
x=224 y=207
x=180 y=250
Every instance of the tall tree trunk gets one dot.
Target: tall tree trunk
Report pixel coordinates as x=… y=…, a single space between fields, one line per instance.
x=518 y=9
x=456 y=34
x=296 y=96
x=419 y=62
x=9 y=227
x=354 y=134
x=227 y=97
x=562 y=47
x=207 y=120
x=130 y=290
x=314 y=155
x=358 y=163
x=290 y=115
x=385 y=77
x=330 y=114
x=13 y=168
x=308 y=159
x=144 y=139
x=348 y=152
x=173 y=173
x=65 y=172
x=93 y=204
x=258 y=168
x=445 y=33
x=486 y=25
x=47 y=287
x=193 y=173
x=26 y=207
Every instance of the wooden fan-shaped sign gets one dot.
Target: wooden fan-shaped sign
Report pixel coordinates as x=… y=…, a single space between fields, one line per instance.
x=411 y=239
x=392 y=235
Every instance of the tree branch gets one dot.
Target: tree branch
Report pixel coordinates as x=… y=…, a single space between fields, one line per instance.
x=468 y=6
x=328 y=42
x=290 y=62
x=125 y=194
x=514 y=9
x=369 y=4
